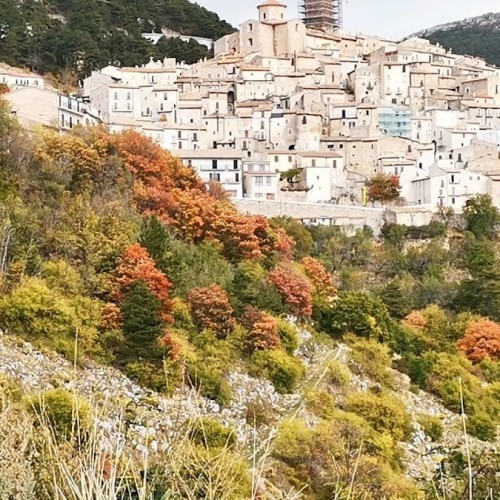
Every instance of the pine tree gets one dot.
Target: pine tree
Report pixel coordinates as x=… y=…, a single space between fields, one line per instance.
x=156 y=239
x=142 y=325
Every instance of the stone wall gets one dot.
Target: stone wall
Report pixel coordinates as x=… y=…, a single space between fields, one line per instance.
x=321 y=213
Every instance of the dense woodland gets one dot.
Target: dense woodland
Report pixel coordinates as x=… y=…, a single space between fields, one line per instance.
x=110 y=244
x=54 y=36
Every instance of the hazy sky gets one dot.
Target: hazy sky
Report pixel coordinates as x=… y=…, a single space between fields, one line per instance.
x=391 y=18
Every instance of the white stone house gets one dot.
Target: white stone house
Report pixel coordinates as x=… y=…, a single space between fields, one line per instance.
x=224 y=166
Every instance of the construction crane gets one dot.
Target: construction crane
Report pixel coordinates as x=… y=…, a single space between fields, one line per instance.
x=324 y=15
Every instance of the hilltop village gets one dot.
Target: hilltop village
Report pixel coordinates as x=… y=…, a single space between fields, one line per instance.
x=292 y=115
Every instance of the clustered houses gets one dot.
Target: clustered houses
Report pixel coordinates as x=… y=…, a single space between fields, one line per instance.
x=290 y=113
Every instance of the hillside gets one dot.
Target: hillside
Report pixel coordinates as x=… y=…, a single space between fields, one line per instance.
x=58 y=35
x=157 y=343
x=477 y=36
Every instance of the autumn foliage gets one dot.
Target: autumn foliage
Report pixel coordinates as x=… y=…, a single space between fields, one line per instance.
x=211 y=309
x=320 y=278
x=294 y=289
x=384 y=188
x=481 y=341
x=262 y=330
x=415 y=320
x=164 y=187
x=137 y=265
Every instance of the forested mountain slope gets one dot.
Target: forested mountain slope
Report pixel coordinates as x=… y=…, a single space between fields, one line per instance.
x=477 y=36
x=57 y=35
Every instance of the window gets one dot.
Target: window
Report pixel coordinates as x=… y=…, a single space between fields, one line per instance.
x=276 y=159
x=268 y=181
x=115 y=97
x=179 y=134
x=214 y=165
x=195 y=136
x=259 y=181
x=452 y=178
x=453 y=201
x=250 y=42
x=290 y=159
x=250 y=27
x=235 y=165
x=237 y=177
x=313 y=163
x=165 y=96
x=129 y=96
x=215 y=177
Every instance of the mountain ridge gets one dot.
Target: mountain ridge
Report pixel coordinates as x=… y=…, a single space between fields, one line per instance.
x=477 y=36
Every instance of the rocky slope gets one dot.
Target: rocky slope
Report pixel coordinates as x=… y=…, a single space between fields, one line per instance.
x=147 y=421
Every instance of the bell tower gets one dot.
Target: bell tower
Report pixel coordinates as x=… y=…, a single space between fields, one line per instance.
x=272 y=10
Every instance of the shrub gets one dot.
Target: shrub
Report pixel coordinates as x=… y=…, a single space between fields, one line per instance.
x=338 y=374
x=37 y=312
x=373 y=359
x=289 y=337
x=432 y=426
x=211 y=310
x=66 y=413
x=481 y=341
x=207 y=473
x=293 y=443
x=321 y=403
x=359 y=313
x=295 y=290
x=482 y=426
x=284 y=371
x=148 y=374
x=385 y=413
x=262 y=331
x=210 y=433
x=250 y=287
x=210 y=382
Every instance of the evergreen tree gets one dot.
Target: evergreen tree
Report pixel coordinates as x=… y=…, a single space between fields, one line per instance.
x=156 y=239
x=142 y=325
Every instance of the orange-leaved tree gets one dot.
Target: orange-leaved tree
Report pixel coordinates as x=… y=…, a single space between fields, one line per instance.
x=137 y=265
x=211 y=309
x=320 y=278
x=481 y=341
x=262 y=330
x=294 y=289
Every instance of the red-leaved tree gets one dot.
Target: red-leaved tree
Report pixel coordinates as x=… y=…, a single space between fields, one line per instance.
x=262 y=330
x=211 y=309
x=481 y=341
x=294 y=289
x=137 y=265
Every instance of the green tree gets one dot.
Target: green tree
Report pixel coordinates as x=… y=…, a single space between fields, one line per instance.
x=142 y=325
x=482 y=216
x=300 y=234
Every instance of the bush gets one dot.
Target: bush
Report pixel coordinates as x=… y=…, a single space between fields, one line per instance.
x=288 y=336
x=385 y=413
x=150 y=375
x=481 y=341
x=481 y=426
x=321 y=403
x=67 y=414
x=211 y=309
x=262 y=330
x=373 y=359
x=338 y=374
x=359 y=313
x=37 y=312
x=210 y=382
x=284 y=371
x=210 y=433
x=432 y=426
x=293 y=443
